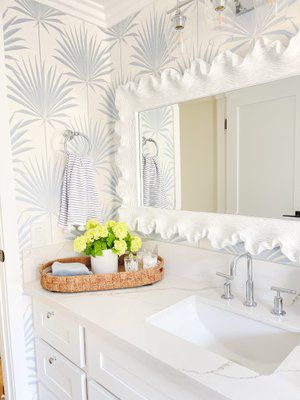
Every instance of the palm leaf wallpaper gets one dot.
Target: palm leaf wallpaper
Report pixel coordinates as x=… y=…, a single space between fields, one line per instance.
x=107 y=104
x=87 y=60
x=33 y=11
x=38 y=186
x=120 y=32
x=63 y=73
x=19 y=141
x=42 y=94
x=12 y=38
x=154 y=45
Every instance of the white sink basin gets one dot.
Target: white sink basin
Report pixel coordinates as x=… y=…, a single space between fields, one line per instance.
x=252 y=344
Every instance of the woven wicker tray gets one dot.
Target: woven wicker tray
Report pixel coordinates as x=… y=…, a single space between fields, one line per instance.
x=93 y=282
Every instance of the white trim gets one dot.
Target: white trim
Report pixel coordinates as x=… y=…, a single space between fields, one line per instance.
x=268 y=61
x=177 y=158
x=139 y=165
x=11 y=285
x=102 y=13
x=86 y=10
x=221 y=153
x=119 y=10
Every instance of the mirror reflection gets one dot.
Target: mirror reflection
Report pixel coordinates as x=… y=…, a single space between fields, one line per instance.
x=235 y=153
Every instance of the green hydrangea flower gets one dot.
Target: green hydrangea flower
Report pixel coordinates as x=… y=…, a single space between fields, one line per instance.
x=120 y=230
x=80 y=244
x=91 y=223
x=120 y=246
x=136 y=244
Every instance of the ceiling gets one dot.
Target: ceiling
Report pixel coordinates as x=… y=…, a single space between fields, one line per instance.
x=101 y=12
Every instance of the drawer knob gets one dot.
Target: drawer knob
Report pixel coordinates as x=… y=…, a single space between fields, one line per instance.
x=52 y=360
x=50 y=314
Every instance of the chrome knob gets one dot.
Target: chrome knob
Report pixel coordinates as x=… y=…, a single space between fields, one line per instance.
x=227 y=295
x=278 y=300
x=52 y=360
x=50 y=314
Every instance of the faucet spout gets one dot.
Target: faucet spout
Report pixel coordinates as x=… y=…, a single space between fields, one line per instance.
x=249 y=299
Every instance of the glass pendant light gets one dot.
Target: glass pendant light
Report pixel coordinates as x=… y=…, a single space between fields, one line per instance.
x=179 y=20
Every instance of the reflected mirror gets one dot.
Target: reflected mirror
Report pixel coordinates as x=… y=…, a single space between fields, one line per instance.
x=236 y=153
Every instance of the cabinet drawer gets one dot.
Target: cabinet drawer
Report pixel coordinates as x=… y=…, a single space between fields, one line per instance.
x=117 y=369
x=58 y=374
x=97 y=392
x=60 y=331
x=45 y=394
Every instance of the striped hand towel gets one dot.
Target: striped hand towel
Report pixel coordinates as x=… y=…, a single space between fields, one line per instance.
x=153 y=192
x=79 y=198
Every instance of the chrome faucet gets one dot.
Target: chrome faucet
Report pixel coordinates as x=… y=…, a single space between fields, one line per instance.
x=249 y=300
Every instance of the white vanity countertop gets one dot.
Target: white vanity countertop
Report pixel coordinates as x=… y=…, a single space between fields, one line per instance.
x=123 y=313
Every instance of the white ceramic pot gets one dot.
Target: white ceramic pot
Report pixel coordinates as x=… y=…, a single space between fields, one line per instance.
x=106 y=264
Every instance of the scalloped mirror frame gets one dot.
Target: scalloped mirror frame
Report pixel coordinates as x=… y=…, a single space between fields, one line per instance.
x=268 y=61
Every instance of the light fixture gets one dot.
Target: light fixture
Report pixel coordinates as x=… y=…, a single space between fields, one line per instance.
x=178 y=21
x=219 y=5
x=241 y=7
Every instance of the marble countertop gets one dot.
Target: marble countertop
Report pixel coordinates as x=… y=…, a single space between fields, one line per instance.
x=123 y=313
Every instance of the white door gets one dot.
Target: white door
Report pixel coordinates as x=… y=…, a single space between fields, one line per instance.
x=263 y=149
x=12 y=339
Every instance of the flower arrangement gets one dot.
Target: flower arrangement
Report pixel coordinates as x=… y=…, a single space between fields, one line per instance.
x=112 y=235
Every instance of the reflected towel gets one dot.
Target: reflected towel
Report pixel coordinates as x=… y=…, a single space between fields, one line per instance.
x=79 y=198
x=69 y=269
x=153 y=191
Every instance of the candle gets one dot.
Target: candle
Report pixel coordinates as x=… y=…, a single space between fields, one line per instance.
x=149 y=261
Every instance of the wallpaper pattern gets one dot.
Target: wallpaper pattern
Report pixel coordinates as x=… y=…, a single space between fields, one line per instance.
x=63 y=73
x=57 y=69
x=158 y=125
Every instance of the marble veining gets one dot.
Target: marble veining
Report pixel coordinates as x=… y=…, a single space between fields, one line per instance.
x=132 y=307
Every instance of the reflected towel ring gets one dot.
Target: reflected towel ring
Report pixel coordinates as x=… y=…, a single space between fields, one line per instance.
x=69 y=135
x=145 y=140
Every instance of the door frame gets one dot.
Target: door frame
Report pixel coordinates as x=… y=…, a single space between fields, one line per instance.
x=12 y=339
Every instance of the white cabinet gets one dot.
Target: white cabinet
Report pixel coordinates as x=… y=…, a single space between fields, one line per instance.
x=97 y=392
x=45 y=394
x=121 y=372
x=60 y=331
x=114 y=369
x=59 y=375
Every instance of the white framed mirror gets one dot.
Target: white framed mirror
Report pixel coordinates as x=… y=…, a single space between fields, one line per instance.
x=201 y=155
x=233 y=153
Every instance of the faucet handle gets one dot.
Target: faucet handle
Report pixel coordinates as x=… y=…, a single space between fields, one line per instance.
x=278 y=300
x=279 y=290
x=226 y=276
x=227 y=295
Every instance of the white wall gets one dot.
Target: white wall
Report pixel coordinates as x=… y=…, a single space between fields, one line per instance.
x=198 y=153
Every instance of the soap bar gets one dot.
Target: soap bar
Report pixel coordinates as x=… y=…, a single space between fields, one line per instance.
x=69 y=269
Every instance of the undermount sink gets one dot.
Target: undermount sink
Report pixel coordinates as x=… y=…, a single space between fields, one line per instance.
x=252 y=344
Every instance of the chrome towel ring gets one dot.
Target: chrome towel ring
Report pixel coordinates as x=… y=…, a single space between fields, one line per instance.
x=69 y=135
x=145 y=140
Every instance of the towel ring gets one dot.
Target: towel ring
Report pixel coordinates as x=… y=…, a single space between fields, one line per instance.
x=145 y=140
x=69 y=135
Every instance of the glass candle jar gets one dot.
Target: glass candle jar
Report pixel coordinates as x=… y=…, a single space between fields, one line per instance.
x=149 y=260
x=131 y=263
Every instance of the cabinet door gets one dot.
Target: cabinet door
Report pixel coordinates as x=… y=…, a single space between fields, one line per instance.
x=58 y=374
x=97 y=392
x=60 y=331
x=45 y=394
x=120 y=372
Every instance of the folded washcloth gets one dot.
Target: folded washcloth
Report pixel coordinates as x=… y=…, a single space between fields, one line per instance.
x=69 y=269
